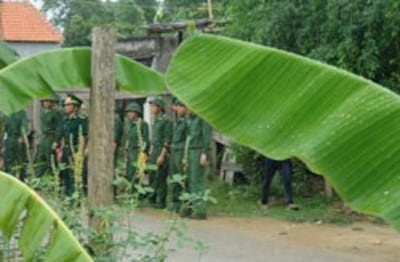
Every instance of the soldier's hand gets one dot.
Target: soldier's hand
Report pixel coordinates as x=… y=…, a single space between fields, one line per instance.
x=54 y=146
x=20 y=140
x=59 y=155
x=160 y=160
x=203 y=159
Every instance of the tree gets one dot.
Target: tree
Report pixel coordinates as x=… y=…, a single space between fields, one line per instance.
x=191 y=9
x=128 y=17
x=359 y=36
x=149 y=8
x=77 y=18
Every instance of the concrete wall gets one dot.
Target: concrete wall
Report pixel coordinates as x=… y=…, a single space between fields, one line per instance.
x=153 y=51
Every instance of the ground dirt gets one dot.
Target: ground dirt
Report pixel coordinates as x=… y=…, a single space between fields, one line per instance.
x=266 y=239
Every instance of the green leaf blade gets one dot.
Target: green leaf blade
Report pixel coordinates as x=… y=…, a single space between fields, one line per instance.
x=40 y=75
x=283 y=105
x=37 y=224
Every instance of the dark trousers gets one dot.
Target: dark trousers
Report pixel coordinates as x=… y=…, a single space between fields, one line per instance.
x=270 y=167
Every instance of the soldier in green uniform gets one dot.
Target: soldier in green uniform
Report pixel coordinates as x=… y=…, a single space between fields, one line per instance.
x=137 y=140
x=16 y=127
x=179 y=134
x=74 y=128
x=50 y=138
x=118 y=130
x=199 y=141
x=161 y=138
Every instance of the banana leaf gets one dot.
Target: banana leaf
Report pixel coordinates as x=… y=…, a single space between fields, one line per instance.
x=40 y=224
x=7 y=55
x=342 y=126
x=37 y=76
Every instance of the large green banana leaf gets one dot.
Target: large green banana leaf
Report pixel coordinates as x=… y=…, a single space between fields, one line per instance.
x=7 y=55
x=37 y=76
x=283 y=105
x=40 y=223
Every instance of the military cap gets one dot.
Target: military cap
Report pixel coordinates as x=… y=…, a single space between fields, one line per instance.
x=72 y=99
x=159 y=102
x=179 y=103
x=175 y=100
x=133 y=107
x=53 y=97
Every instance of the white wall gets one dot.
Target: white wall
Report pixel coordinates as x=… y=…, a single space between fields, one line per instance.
x=25 y=49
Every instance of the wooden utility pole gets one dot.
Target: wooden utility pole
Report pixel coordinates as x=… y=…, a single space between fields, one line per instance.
x=101 y=128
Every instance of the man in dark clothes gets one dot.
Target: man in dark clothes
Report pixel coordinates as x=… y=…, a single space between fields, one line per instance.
x=284 y=167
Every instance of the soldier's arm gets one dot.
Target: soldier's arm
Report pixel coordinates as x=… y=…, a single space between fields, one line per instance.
x=59 y=127
x=166 y=138
x=117 y=131
x=146 y=137
x=206 y=137
x=85 y=133
x=167 y=133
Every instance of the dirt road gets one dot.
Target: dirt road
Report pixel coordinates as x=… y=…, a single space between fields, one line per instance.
x=264 y=239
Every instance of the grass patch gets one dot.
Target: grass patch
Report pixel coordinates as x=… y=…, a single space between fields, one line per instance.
x=241 y=201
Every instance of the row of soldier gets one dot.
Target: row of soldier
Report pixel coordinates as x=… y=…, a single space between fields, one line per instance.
x=175 y=147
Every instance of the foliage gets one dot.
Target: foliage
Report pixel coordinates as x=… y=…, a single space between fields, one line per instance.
x=149 y=8
x=40 y=225
x=32 y=77
x=7 y=55
x=250 y=161
x=174 y=10
x=77 y=18
x=283 y=105
x=305 y=183
x=360 y=36
x=241 y=201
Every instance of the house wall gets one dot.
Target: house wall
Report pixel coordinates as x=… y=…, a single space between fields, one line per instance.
x=25 y=49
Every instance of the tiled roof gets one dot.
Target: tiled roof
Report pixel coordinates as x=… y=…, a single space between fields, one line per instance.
x=20 y=21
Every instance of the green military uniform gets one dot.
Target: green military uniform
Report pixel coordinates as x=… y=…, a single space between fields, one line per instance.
x=137 y=140
x=118 y=130
x=51 y=133
x=199 y=135
x=161 y=138
x=179 y=134
x=15 y=154
x=73 y=127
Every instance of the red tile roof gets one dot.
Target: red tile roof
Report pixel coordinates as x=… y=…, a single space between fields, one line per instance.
x=20 y=21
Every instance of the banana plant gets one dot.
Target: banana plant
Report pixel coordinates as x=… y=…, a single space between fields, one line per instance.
x=20 y=83
x=41 y=225
x=342 y=126
x=40 y=75
x=7 y=55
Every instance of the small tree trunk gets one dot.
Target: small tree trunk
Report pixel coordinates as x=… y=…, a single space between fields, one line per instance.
x=328 y=190
x=101 y=128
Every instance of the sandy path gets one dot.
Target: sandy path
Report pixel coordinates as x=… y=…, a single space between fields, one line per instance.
x=264 y=239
